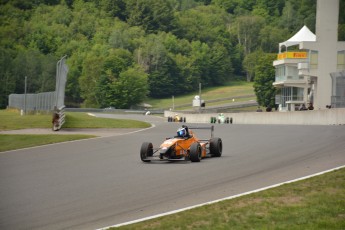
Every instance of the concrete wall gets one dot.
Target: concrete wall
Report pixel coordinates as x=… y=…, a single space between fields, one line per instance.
x=314 y=117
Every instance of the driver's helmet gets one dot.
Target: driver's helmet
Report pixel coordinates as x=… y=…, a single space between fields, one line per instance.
x=181 y=132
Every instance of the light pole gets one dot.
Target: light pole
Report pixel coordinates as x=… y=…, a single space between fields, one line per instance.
x=173 y=102
x=25 y=86
x=199 y=97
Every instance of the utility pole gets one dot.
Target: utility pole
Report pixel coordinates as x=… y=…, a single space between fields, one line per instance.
x=199 y=97
x=173 y=102
x=26 y=78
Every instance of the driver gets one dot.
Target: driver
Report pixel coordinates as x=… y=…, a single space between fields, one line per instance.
x=183 y=132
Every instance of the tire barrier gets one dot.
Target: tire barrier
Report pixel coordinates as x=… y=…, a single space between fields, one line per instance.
x=58 y=118
x=227 y=120
x=177 y=119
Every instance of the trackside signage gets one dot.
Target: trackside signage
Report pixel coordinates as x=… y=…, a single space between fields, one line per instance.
x=292 y=55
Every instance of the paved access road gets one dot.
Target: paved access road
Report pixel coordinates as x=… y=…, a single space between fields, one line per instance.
x=100 y=182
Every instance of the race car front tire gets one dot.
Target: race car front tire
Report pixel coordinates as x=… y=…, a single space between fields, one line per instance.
x=216 y=147
x=195 y=152
x=146 y=151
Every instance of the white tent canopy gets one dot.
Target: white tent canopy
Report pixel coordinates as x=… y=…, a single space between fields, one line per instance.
x=302 y=35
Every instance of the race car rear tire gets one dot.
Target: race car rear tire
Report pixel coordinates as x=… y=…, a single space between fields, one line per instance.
x=146 y=151
x=195 y=152
x=216 y=147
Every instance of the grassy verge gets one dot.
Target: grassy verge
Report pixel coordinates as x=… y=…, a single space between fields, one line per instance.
x=82 y=120
x=12 y=120
x=315 y=203
x=19 y=141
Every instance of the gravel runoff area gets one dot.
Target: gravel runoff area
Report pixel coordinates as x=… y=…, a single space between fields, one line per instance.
x=100 y=132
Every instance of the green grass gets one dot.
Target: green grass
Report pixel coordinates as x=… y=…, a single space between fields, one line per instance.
x=82 y=120
x=315 y=203
x=12 y=120
x=12 y=142
x=230 y=89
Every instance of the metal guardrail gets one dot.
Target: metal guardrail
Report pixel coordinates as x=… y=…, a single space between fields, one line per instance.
x=58 y=118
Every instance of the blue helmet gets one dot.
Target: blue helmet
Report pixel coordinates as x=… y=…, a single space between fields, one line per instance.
x=181 y=132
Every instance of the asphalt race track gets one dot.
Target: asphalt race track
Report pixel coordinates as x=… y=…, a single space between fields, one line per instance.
x=101 y=182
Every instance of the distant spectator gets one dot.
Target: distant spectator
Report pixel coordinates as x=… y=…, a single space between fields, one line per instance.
x=302 y=107
x=268 y=108
x=311 y=107
x=276 y=107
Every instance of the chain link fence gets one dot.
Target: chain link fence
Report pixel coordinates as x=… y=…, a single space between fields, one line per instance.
x=47 y=101
x=33 y=102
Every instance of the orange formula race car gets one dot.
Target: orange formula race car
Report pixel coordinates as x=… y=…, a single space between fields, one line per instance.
x=183 y=147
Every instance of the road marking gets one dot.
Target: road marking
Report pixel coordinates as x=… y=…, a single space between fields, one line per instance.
x=223 y=199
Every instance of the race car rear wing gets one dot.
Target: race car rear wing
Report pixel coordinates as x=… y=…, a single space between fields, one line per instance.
x=211 y=128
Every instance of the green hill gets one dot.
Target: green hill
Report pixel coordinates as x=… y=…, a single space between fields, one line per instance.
x=232 y=91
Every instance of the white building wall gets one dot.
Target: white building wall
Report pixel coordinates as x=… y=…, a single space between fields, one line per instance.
x=327 y=15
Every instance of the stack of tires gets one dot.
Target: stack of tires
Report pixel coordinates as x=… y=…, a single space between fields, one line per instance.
x=173 y=119
x=227 y=120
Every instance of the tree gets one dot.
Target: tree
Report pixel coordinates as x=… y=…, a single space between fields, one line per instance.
x=117 y=61
x=151 y=15
x=263 y=81
x=91 y=71
x=220 y=65
x=165 y=80
x=250 y=62
x=204 y=23
x=129 y=89
x=341 y=32
x=125 y=37
x=270 y=37
x=247 y=29
x=7 y=82
x=200 y=63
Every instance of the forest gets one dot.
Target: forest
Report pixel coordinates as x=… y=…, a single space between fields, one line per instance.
x=121 y=51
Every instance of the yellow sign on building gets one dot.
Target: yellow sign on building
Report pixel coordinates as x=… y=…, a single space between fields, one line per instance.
x=292 y=55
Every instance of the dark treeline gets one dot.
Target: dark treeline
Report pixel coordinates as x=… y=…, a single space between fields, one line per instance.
x=120 y=51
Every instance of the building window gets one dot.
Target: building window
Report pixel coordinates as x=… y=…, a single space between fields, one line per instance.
x=338 y=91
x=341 y=60
x=313 y=59
x=292 y=72
x=290 y=94
x=280 y=73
